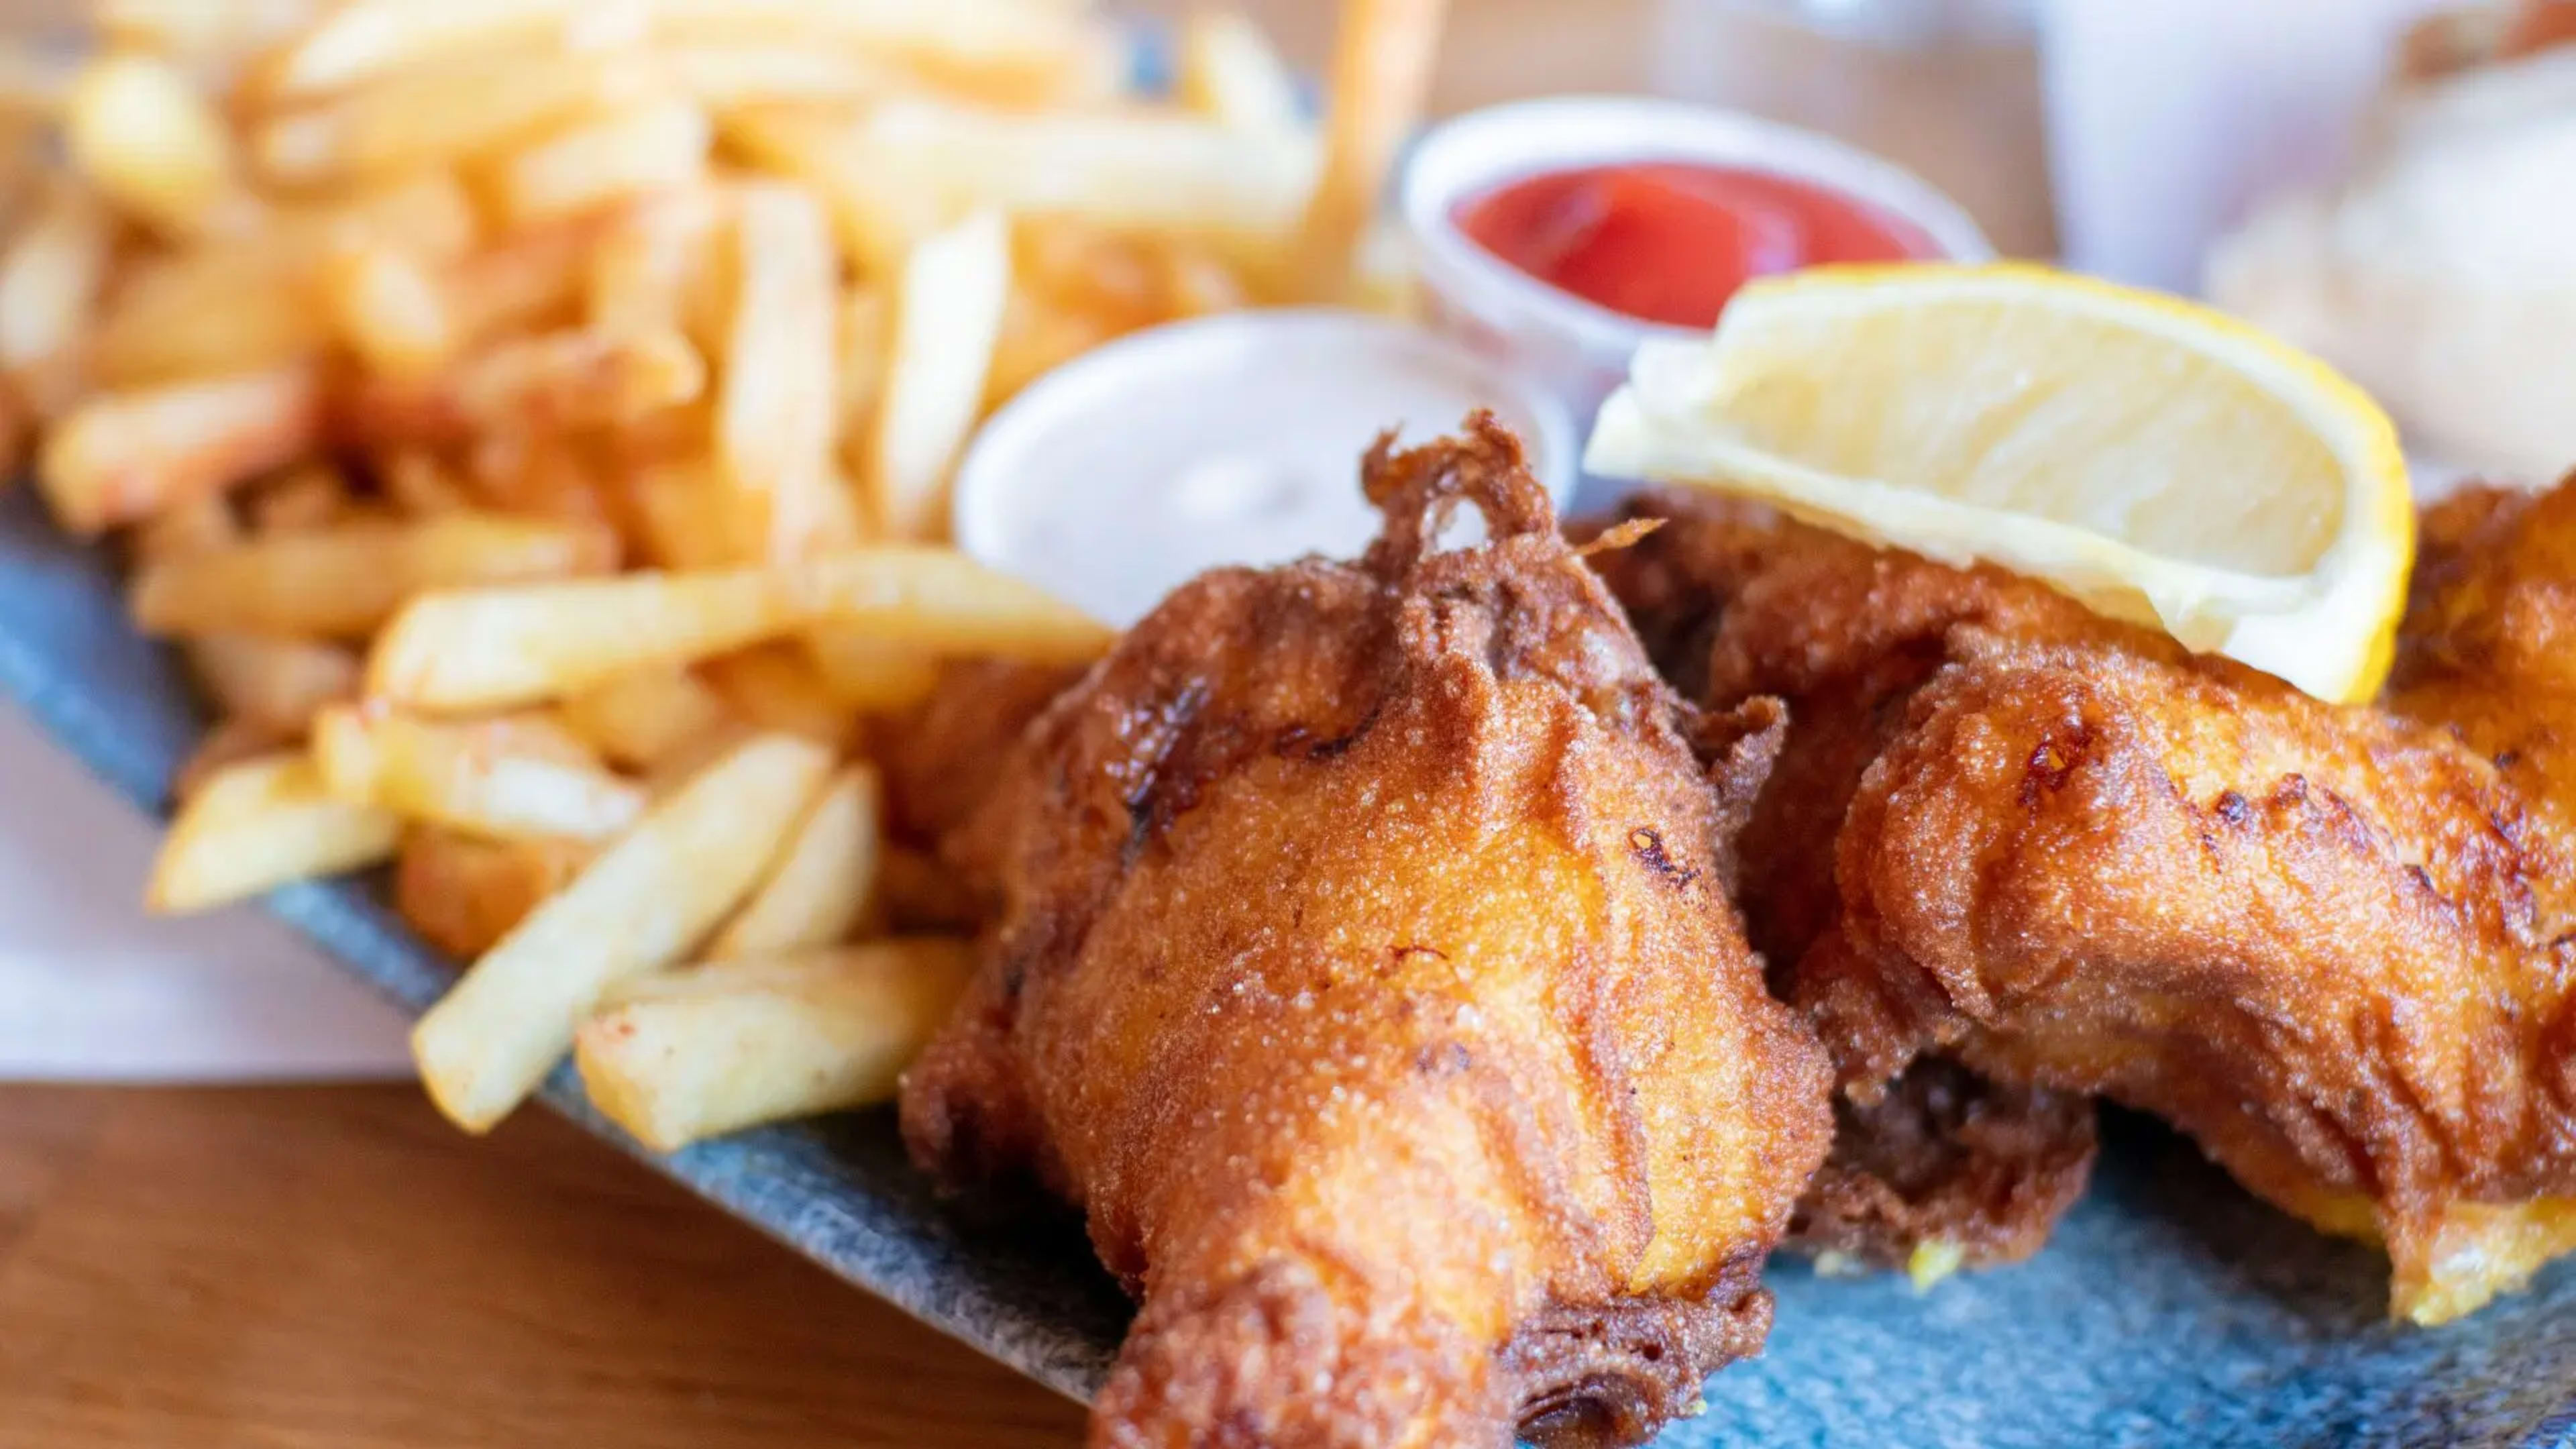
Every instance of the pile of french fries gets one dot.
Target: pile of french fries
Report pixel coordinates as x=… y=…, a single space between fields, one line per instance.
x=531 y=420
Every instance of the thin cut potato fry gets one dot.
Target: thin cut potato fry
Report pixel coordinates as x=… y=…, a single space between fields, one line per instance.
x=428 y=214
x=776 y=687
x=1381 y=79
x=123 y=456
x=453 y=111
x=144 y=134
x=529 y=278
x=868 y=673
x=365 y=39
x=1011 y=52
x=489 y=777
x=654 y=146
x=578 y=377
x=642 y=905
x=685 y=515
x=775 y=415
x=206 y=313
x=257 y=825
x=722 y=76
x=826 y=877
x=306 y=496
x=1229 y=73
x=1148 y=171
x=656 y=265
x=420 y=485
x=201 y=32
x=639 y=720
x=684 y=1055
x=879 y=212
x=50 y=279
x=390 y=308
x=463 y=893
x=867 y=323
x=948 y=314
x=274 y=684
x=342 y=581
x=496 y=648
x=185 y=528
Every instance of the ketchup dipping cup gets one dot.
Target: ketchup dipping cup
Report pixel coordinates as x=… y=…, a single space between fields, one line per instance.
x=1579 y=350
x=1232 y=439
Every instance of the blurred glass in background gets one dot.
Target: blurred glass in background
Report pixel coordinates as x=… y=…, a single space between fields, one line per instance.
x=1947 y=88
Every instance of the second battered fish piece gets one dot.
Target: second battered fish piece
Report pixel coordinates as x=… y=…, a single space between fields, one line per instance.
x=1367 y=977
x=2335 y=947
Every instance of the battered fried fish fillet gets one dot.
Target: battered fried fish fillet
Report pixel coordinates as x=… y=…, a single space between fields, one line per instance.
x=1367 y=978
x=2335 y=945
x=1735 y=602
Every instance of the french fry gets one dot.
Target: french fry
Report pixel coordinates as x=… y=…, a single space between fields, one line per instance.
x=275 y=685
x=869 y=674
x=533 y=278
x=123 y=456
x=463 y=893
x=948 y=314
x=656 y=267
x=498 y=648
x=826 y=876
x=775 y=415
x=639 y=720
x=192 y=526
x=257 y=825
x=651 y=147
x=230 y=742
x=201 y=32
x=144 y=134
x=428 y=214
x=727 y=76
x=439 y=114
x=1011 y=52
x=775 y=686
x=866 y=322
x=1229 y=73
x=390 y=308
x=578 y=377
x=493 y=778
x=307 y=495
x=343 y=580
x=420 y=485
x=203 y=313
x=879 y=212
x=684 y=1055
x=50 y=279
x=1382 y=59
x=365 y=39
x=685 y=515
x=643 y=904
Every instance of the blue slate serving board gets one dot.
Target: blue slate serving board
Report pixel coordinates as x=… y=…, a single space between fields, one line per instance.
x=2170 y=1310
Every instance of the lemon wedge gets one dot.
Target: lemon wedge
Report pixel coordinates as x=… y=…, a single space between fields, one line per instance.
x=2159 y=461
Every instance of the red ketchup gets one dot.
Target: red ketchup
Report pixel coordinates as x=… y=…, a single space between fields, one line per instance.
x=1670 y=241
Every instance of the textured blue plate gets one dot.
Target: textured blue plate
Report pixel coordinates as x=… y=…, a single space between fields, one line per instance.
x=2171 y=1309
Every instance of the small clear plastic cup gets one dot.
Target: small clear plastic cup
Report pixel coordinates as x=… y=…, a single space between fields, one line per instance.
x=1576 y=351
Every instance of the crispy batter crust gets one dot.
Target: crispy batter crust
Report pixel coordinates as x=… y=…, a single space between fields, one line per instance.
x=1367 y=976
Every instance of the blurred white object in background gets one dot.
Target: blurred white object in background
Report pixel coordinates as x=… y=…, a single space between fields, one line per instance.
x=91 y=989
x=2442 y=274
x=1948 y=89
x=2168 y=120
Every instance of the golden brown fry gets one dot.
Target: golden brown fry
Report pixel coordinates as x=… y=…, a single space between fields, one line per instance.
x=948 y=315
x=825 y=880
x=640 y=720
x=463 y=893
x=260 y=824
x=274 y=685
x=420 y=485
x=683 y=1055
x=308 y=495
x=436 y=115
x=685 y=515
x=533 y=278
x=658 y=265
x=775 y=686
x=726 y=76
x=207 y=312
x=553 y=381
x=366 y=39
x=869 y=673
x=776 y=415
x=498 y=778
x=50 y=278
x=152 y=143
x=657 y=145
x=643 y=904
x=1382 y=61
x=390 y=308
x=342 y=581
x=123 y=456
x=230 y=742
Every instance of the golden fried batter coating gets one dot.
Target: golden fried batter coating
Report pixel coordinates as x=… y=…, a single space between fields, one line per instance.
x=1367 y=978
x=2330 y=945
x=1735 y=602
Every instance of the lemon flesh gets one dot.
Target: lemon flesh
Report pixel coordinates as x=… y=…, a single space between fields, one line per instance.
x=2159 y=461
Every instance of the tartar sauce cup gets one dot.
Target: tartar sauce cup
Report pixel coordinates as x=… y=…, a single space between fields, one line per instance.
x=1232 y=439
x=1575 y=350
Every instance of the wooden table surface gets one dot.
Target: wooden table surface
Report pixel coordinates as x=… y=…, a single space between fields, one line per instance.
x=335 y=1267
